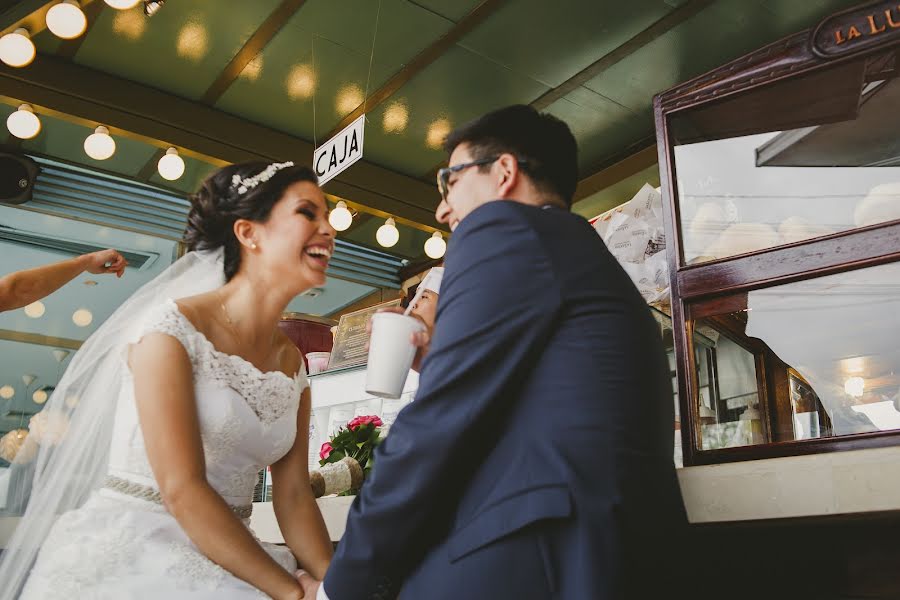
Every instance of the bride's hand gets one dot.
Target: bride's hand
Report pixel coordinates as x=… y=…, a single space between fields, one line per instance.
x=421 y=340
x=310 y=585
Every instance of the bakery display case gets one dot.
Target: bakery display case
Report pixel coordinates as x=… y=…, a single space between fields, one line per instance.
x=781 y=192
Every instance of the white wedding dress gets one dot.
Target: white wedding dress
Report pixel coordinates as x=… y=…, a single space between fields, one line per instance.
x=121 y=546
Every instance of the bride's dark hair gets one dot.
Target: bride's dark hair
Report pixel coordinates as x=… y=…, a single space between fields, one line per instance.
x=218 y=204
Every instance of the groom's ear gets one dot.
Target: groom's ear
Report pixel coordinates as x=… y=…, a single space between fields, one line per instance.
x=245 y=232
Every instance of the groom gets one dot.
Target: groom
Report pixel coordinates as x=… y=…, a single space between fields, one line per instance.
x=536 y=460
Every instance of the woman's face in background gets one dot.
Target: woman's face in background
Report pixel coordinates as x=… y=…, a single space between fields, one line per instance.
x=426 y=307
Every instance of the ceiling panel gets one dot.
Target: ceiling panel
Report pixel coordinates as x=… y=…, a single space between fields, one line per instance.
x=456 y=88
x=552 y=41
x=722 y=32
x=316 y=68
x=181 y=49
x=403 y=30
x=791 y=16
x=602 y=127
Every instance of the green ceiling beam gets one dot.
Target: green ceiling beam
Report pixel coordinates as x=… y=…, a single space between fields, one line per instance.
x=95 y=97
x=615 y=173
x=254 y=46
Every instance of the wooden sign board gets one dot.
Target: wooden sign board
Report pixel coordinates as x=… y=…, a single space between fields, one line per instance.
x=351 y=338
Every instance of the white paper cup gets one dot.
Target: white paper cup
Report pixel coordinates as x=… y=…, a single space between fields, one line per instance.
x=391 y=353
x=318 y=361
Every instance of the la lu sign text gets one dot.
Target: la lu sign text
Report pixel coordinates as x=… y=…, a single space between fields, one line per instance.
x=857 y=29
x=339 y=152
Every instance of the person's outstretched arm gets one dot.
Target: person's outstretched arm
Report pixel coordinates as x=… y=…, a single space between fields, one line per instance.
x=24 y=287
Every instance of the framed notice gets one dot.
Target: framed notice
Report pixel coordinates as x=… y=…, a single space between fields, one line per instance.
x=351 y=338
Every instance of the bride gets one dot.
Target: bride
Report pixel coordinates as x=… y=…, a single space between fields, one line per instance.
x=174 y=405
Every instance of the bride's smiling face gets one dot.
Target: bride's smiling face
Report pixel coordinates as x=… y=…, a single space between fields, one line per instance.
x=296 y=242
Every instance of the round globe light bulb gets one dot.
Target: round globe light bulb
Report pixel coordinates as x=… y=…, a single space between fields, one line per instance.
x=340 y=218
x=39 y=396
x=66 y=19
x=82 y=317
x=17 y=49
x=100 y=145
x=123 y=4
x=387 y=235
x=171 y=166
x=435 y=246
x=7 y=392
x=35 y=310
x=23 y=123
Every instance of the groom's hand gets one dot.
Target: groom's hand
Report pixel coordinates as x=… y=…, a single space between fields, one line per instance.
x=308 y=583
x=421 y=340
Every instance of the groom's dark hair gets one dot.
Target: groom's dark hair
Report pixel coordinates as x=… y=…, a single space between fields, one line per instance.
x=543 y=142
x=219 y=203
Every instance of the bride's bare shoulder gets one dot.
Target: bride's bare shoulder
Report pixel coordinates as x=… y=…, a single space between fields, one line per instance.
x=197 y=309
x=290 y=358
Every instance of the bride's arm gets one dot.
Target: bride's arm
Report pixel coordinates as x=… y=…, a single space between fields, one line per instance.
x=295 y=506
x=164 y=392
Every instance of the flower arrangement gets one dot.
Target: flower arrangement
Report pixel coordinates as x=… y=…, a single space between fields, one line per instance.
x=357 y=441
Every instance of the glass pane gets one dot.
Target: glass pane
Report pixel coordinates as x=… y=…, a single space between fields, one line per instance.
x=728 y=398
x=810 y=359
x=783 y=165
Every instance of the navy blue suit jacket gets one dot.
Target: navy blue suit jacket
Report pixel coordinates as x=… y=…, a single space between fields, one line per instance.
x=536 y=460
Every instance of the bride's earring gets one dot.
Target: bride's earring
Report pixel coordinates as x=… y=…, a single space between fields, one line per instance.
x=252 y=245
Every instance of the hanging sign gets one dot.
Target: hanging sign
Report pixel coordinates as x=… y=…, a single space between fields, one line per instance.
x=339 y=152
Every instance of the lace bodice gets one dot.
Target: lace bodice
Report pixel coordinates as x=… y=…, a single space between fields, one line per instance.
x=248 y=418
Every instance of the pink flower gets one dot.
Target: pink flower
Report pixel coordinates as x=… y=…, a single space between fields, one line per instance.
x=366 y=420
x=325 y=451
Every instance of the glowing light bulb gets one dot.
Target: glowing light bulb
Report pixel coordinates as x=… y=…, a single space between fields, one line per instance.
x=17 y=49
x=66 y=20
x=435 y=246
x=387 y=235
x=171 y=166
x=340 y=218
x=123 y=4
x=100 y=145
x=23 y=123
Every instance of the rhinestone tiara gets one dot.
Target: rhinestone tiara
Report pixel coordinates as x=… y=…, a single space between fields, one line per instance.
x=243 y=184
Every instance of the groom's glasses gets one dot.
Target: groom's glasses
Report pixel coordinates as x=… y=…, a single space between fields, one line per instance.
x=443 y=175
